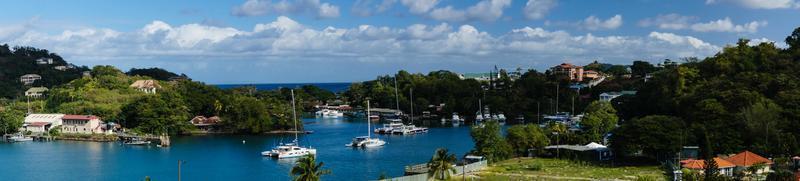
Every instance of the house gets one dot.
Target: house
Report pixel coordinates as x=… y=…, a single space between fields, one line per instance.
x=28 y=79
x=61 y=68
x=44 y=61
x=608 y=96
x=725 y=166
x=40 y=123
x=146 y=86
x=36 y=92
x=205 y=124
x=747 y=159
x=573 y=72
x=591 y=74
x=82 y=124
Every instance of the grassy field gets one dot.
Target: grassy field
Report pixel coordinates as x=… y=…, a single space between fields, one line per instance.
x=556 y=169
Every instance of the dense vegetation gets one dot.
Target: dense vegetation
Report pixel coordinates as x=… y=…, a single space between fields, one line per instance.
x=107 y=93
x=744 y=98
x=18 y=61
x=155 y=73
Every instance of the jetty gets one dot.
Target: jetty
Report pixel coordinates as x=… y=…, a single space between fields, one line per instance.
x=162 y=140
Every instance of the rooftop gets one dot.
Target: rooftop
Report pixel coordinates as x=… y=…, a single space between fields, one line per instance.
x=80 y=117
x=700 y=164
x=747 y=159
x=145 y=84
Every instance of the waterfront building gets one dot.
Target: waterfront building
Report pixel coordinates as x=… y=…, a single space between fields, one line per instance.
x=82 y=124
x=146 y=86
x=29 y=79
x=39 y=123
x=205 y=124
x=36 y=92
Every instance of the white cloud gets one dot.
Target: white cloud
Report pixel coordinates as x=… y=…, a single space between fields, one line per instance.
x=537 y=9
x=594 y=23
x=264 y=7
x=288 y=39
x=485 y=10
x=370 y=7
x=419 y=6
x=725 y=25
x=669 y=21
x=761 y=4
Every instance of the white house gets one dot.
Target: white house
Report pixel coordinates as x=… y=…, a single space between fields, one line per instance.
x=82 y=124
x=36 y=92
x=28 y=79
x=39 y=123
x=146 y=86
x=44 y=61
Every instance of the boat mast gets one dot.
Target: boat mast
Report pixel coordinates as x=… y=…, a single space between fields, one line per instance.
x=294 y=118
x=411 y=92
x=396 y=95
x=369 y=120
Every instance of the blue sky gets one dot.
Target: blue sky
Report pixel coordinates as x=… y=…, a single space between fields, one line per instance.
x=280 y=41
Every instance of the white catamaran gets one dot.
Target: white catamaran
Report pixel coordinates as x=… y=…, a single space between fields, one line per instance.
x=293 y=149
x=366 y=141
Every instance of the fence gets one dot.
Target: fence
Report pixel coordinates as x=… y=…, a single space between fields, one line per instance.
x=459 y=170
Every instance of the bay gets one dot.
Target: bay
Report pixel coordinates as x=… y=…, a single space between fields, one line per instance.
x=226 y=157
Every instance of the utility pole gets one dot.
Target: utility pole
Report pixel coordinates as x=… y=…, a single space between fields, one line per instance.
x=557 y=87
x=538 y=113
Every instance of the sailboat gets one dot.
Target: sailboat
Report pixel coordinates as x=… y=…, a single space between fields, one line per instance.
x=366 y=141
x=293 y=149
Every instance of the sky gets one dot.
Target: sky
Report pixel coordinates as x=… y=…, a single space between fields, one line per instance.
x=304 y=41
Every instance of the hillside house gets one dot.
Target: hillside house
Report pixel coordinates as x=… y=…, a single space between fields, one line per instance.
x=29 y=79
x=146 y=86
x=44 y=61
x=36 y=92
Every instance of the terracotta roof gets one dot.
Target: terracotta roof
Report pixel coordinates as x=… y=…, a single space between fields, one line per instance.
x=747 y=159
x=80 y=117
x=145 y=84
x=700 y=164
x=38 y=124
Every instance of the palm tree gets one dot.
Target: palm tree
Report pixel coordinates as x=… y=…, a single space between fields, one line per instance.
x=307 y=169
x=441 y=164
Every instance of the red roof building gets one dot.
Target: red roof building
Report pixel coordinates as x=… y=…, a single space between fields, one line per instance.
x=747 y=158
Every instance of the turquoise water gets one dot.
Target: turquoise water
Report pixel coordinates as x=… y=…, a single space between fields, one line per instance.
x=226 y=157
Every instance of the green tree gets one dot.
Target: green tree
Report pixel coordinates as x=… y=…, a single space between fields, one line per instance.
x=157 y=114
x=763 y=119
x=307 y=169
x=657 y=136
x=600 y=118
x=489 y=142
x=793 y=40
x=642 y=68
x=441 y=164
x=10 y=121
x=524 y=137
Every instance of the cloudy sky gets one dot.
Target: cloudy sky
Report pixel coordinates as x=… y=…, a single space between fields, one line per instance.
x=280 y=41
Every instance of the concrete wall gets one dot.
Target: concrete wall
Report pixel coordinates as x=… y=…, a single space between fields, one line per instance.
x=459 y=170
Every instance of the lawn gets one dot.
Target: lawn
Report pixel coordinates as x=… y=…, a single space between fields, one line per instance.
x=556 y=169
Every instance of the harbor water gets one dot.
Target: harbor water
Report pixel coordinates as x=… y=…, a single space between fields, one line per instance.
x=228 y=157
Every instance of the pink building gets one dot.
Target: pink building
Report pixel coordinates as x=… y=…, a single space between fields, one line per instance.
x=82 y=124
